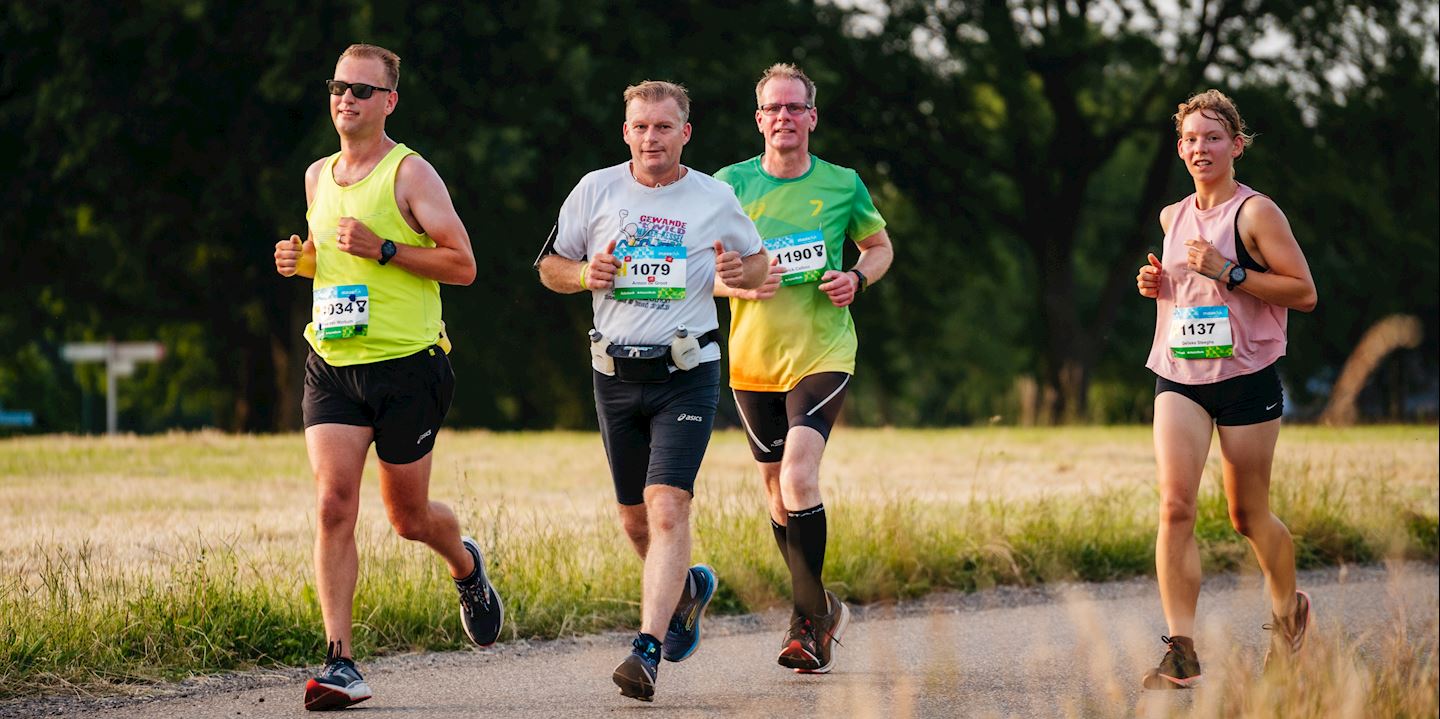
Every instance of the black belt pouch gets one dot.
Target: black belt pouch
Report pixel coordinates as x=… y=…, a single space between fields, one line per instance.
x=647 y=364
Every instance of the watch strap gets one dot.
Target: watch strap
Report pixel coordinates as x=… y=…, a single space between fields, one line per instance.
x=864 y=281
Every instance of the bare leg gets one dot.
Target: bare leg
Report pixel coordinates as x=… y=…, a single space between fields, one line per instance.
x=800 y=470
x=1248 y=453
x=405 y=489
x=770 y=474
x=636 y=523
x=1182 y=440
x=337 y=458
x=668 y=509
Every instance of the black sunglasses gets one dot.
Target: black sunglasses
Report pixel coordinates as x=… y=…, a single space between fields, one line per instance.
x=360 y=89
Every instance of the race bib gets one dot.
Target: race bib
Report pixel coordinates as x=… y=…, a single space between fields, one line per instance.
x=341 y=312
x=802 y=254
x=650 y=273
x=1201 y=333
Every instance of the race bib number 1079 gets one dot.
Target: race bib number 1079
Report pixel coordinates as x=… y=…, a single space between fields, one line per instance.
x=650 y=273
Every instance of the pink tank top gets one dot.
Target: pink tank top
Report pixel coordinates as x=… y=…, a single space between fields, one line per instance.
x=1256 y=328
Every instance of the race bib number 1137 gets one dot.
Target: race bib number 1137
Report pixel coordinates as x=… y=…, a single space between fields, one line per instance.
x=1201 y=333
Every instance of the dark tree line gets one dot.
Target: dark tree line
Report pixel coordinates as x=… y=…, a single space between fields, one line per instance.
x=1021 y=152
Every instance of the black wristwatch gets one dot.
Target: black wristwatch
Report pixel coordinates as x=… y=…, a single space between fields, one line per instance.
x=864 y=281
x=1237 y=277
x=387 y=251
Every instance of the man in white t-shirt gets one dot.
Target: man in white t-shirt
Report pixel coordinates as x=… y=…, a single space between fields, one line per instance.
x=657 y=234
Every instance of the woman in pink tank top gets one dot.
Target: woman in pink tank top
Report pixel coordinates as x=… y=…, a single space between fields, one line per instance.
x=1229 y=272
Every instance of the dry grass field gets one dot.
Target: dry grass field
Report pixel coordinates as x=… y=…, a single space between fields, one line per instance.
x=190 y=552
x=144 y=498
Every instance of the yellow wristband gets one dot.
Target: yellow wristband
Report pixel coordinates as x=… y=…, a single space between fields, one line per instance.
x=583 y=267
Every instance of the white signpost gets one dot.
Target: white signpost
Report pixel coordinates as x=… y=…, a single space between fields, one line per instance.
x=119 y=359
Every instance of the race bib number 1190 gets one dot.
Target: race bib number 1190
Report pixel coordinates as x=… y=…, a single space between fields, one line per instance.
x=802 y=254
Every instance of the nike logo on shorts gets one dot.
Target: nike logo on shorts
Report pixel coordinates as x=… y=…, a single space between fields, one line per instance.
x=1267 y=409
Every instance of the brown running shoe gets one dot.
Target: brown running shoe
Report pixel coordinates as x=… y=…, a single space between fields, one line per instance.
x=1287 y=636
x=1179 y=669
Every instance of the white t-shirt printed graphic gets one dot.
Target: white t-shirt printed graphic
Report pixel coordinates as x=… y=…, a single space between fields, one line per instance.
x=681 y=220
x=652 y=257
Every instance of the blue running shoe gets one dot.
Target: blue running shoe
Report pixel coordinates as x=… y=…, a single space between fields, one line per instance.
x=481 y=612
x=683 y=636
x=636 y=675
x=338 y=685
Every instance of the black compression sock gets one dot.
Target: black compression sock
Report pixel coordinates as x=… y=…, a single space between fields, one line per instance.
x=805 y=535
x=779 y=531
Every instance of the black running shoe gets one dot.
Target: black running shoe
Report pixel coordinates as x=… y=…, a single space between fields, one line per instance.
x=338 y=685
x=828 y=630
x=683 y=636
x=1179 y=669
x=798 y=651
x=481 y=611
x=1287 y=637
x=636 y=675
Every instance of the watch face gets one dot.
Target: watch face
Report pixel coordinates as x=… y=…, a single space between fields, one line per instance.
x=1237 y=274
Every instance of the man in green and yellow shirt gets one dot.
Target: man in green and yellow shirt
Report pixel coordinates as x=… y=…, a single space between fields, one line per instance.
x=792 y=340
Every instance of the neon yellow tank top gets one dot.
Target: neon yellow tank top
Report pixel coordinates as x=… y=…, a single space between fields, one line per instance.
x=399 y=312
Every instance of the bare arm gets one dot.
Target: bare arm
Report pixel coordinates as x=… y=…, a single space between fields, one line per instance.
x=421 y=191
x=754 y=269
x=561 y=274
x=876 y=254
x=1288 y=282
x=291 y=256
x=568 y=276
x=1147 y=280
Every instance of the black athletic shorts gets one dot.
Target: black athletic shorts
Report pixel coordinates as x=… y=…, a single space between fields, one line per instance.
x=656 y=433
x=403 y=399
x=814 y=402
x=1247 y=399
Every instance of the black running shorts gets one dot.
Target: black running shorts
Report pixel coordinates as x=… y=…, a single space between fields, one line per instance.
x=814 y=402
x=1238 y=401
x=656 y=433
x=405 y=400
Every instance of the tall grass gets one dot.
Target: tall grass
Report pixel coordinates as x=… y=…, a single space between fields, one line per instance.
x=86 y=620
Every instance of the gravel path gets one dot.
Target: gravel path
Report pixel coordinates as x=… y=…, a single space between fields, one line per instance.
x=1001 y=652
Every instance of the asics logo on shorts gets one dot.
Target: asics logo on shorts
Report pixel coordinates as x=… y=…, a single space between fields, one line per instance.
x=427 y=433
x=689 y=418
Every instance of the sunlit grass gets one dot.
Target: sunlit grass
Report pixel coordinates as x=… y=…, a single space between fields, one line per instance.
x=190 y=553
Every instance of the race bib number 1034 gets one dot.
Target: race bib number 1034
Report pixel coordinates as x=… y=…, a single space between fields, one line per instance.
x=341 y=311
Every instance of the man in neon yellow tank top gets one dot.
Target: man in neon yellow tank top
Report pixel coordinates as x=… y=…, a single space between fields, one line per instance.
x=383 y=235
x=792 y=341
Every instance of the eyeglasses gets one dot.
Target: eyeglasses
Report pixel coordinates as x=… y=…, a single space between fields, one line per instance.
x=794 y=108
x=360 y=89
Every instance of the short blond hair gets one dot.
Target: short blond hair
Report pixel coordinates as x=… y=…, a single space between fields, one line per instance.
x=658 y=90
x=786 y=71
x=390 y=60
x=1216 y=106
